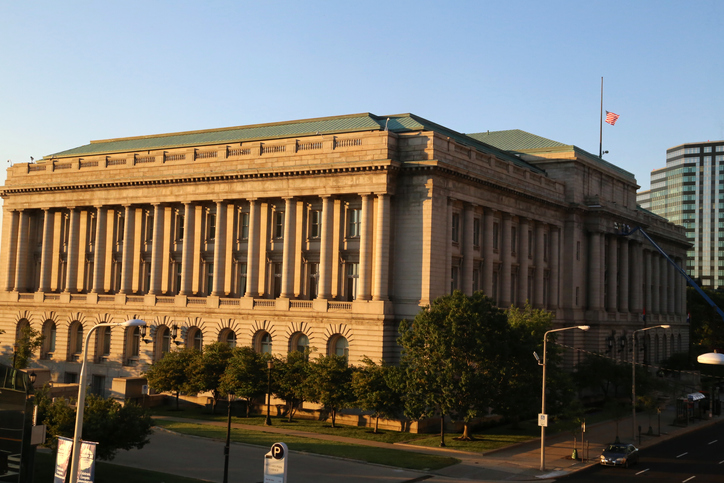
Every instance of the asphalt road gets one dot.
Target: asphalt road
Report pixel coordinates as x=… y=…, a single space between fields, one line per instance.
x=695 y=457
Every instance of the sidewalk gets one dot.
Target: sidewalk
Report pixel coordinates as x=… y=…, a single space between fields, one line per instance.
x=520 y=462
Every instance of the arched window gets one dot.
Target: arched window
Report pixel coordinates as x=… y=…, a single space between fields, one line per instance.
x=263 y=342
x=162 y=342
x=49 y=336
x=194 y=338
x=338 y=345
x=133 y=345
x=298 y=342
x=229 y=337
x=75 y=341
x=103 y=343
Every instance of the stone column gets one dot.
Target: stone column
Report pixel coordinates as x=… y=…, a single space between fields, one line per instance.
x=11 y=220
x=678 y=286
x=290 y=211
x=612 y=266
x=624 y=286
x=637 y=264
x=46 y=255
x=382 y=248
x=325 y=249
x=21 y=272
x=187 y=250
x=594 y=272
x=488 y=263
x=220 y=250
x=505 y=247
x=157 y=249
x=539 y=261
x=656 y=280
x=468 y=254
x=648 y=276
x=523 y=261
x=99 y=255
x=71 y=276
x=668 y=307
x=252 y=253
x=555 y=234
x=365 y=250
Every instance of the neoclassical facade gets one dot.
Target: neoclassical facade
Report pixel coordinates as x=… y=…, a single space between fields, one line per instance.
x=323 y=233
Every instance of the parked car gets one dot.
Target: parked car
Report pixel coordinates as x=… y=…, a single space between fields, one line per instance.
x=620 y=454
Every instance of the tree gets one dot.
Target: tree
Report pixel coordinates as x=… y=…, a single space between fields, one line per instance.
x=29 y=340
x=112 y=425
x=290 y=377
x=598 y=372
x=245 y=375
x=207 y=370
x=329 y=383
x=375 y=390
x=173 y=372
x=453 y=355
x=521 y=374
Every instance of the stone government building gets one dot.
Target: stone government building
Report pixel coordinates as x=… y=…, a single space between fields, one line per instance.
x=323 y=233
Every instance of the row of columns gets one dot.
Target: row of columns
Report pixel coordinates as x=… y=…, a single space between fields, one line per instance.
x=373 y=257
x=505 y=273
x=637 y=278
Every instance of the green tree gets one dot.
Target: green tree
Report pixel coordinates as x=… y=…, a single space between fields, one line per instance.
x=453 y=355
x=375 y=390
x=29 y=340
x=290 y=377
x=174 y=372
x=112 y=425
x=522 y=376
x=602 y=374
x=245 y=375
x=329 y=383
x=207 y=370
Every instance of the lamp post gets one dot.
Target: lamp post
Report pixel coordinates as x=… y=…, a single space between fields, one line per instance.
x=543 y=396
x=80 y=404
x=228 y=442
x=269 y=365
x=633 y=375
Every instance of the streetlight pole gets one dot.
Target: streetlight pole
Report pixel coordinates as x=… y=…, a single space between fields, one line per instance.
x=543 y=396
x=80 y=404
x=269 y=365
x=633 y=376
x=228 y=442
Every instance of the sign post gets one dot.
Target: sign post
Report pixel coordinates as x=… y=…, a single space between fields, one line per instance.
x=275 y=464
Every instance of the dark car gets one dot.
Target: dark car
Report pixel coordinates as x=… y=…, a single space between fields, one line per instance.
x=620 y=454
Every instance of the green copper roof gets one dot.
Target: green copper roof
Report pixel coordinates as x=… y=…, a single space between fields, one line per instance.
x=516 y=140
x=398 y=123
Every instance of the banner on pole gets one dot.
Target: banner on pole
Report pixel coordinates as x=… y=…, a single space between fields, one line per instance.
x=87 y=463
x=65 y=446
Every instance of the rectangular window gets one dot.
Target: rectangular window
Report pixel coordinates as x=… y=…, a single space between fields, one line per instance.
x=476 y=279
x=211 y=226
x=315 y=224
x=578 y=250
x=277 y=289
x=476 y=232
x=278 y=224
x=707 y=149
x=241 y=279
x=545 y=247
x=313 y=280
x=352 y=278
x=209 y=278
x=353 y=226
x=531 y=244
x=244 y=226
x=496 y=229
x=456 y=227
x=454 y=275
x=179 y=226
x=513 y=239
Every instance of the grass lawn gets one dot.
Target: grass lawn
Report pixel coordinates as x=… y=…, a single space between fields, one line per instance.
x=107 y=472
x=383 y=456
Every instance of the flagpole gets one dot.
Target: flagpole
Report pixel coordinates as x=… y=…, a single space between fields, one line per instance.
x=600 y=129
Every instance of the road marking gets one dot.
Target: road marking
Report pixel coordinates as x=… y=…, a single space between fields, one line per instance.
x=643 y=471
x=722 y=461
x=683 y=454
x=712 y=442
x=688 y=479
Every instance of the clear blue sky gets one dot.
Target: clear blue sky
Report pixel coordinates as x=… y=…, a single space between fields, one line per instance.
x=75 y=71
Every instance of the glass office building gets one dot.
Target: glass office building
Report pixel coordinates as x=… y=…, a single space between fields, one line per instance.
x=689 y=191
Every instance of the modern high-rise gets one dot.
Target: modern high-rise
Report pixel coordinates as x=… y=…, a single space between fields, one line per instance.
x=689 y=191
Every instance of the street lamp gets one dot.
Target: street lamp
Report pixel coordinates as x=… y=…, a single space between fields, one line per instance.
x=633 y=375
x=269 y=365
x=543 y=397
x=80 y=404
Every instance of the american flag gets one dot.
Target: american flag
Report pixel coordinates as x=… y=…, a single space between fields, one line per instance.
x=611 y=118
